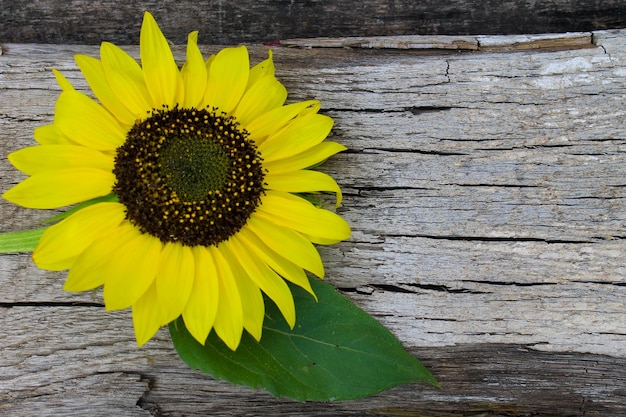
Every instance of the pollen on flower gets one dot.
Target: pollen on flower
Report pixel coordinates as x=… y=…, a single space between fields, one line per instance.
x=179 y=175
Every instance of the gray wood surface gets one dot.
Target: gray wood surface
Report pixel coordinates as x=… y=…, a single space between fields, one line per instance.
x=256 y=21
x=486 y=188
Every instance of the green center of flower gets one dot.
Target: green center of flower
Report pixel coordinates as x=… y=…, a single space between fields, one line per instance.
x=192 y=166
x=188 y=176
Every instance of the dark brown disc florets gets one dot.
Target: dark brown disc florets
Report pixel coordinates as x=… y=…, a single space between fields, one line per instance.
x=188 y=176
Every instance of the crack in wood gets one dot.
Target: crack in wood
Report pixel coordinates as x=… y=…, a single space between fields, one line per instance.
x=617 y=284
x=445 y=288
x=511 y=283
x=386 y=188
x=392 y=288
x=52 y=304
x=510 y=239
x=414 y=151
x=417 y=110
x=497 y=185
x=400 y=289
x=144 y=402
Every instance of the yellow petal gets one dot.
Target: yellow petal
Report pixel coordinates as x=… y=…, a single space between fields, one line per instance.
x=194 y=73
x=229 y=318
x=209 y=62
x=36 y=159
x=286 y=269
x=199 y=313
x=93 y=72
x=227 y=79
x=147 y=316
x=174 y=279
x=63 y=242
x=307 y=159
x=61 y=188
x=277 y=118
x=87 y=123
x=287 y=243
x=301 y=134
x=62 y=81
x=262 y=69
x=298 y=214
x=180 y=92
x=303 y=181
x=267 y=280
x=159 y=68
x=125 y=77
x=51 y=135
x=132 y=269
x=86 y=271
x=251 y=297
x=265 y=95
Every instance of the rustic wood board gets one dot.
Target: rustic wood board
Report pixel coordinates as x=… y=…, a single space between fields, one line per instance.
x=486 y=190
x=253 y=21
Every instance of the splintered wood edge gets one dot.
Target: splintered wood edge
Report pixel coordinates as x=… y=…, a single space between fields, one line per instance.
x=551 y=41
x=388 y=42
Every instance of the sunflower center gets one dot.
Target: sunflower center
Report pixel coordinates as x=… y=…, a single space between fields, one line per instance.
x=192 y=166
x=188 y=176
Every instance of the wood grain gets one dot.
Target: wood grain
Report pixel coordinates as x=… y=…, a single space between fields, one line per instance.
x=232 y=22
x=487 y=196
x=99 y=369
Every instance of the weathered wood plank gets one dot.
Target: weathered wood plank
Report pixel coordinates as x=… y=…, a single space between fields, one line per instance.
x=487 y=196
x=228 y=22
x=471 y=43
x=97 y=369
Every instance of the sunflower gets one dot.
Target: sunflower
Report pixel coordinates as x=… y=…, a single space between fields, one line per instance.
x=188 y=184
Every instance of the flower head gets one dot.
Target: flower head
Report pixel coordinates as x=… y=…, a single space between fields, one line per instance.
x=191 y=179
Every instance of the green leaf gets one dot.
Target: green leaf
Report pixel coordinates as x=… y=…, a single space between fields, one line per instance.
x=335 y=352
x=112 y=197
x=20 y=241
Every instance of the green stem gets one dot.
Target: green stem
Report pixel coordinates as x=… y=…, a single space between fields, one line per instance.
x=27 y=240
x=20 y=241
x=105 y=198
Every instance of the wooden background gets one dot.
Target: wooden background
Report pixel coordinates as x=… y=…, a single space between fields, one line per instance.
x=485 y=184
x=254 y=21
